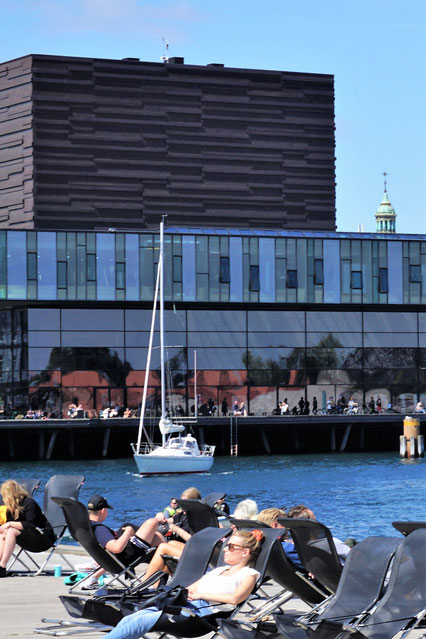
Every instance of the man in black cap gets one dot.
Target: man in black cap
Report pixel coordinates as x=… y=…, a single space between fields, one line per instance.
x=129 y=543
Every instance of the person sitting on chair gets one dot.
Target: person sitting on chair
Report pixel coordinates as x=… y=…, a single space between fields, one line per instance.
x=230 y=584
x=130 y=542
x=26 y=525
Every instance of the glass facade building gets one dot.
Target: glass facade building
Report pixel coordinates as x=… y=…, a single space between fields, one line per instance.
x=270 y=314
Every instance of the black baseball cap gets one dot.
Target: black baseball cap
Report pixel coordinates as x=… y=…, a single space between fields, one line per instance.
x=97 y=502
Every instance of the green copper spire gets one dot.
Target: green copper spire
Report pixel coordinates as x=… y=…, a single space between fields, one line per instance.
x=385 y=214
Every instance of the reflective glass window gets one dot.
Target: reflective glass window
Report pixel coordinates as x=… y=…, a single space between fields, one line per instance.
x=188 y=267
x=216 y=321
x=390 y=357
x=275 y=357
x=120 y=275
x=390 y=339
x=334 y=321
x=276 y=321
x=141 y=338
x=111 y=339
x=267 y=269
x=221 y=339
x=254 y=282
x=356 y=279
x=32 y=266
x=334 y=339
x=62 y=275
x=388 y=322
x=16 y=265
x=224 y=270
x=275 y=339
x=46 y=258
x=110 y=361
x=40 y=358
x=215 y=358
x=318 y=272
x=331 y=271
x=422 y=339
x=291 y=278
x=334 y=357
x=236 y=267
x=132 y=267
x=105 y=266
x=44 y=338
x=43 y=319
x=90 y=319
x=422 y=322
x=177 y=268
x=415 y=273
x=395 y=272
x=137 y=358
x=138 y=319
x=383 y=280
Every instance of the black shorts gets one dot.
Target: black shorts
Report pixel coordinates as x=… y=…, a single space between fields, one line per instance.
x=35 y=541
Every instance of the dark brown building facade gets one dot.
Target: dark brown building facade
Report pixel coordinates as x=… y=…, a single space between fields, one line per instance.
x=92 y=144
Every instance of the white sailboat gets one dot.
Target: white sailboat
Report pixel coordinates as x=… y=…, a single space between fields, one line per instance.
x=176 y=453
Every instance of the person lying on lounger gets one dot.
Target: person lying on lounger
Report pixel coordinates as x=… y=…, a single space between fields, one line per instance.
x=230 y=584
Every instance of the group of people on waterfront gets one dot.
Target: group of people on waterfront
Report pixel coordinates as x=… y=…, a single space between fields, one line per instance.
x=24 y=524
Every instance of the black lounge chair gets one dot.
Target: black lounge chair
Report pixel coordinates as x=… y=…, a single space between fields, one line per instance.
x=407 y=527
x=57 y=486
x=403 y=605
x=104 y=608
x=200 y=514
x=315 y=547
x=359 y=588
x=212 y=498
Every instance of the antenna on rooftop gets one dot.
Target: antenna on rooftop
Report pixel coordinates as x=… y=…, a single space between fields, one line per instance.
x=165 y=56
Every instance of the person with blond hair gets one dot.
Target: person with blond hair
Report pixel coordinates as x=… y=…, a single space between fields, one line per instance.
x=26 y=525
x=229 y=584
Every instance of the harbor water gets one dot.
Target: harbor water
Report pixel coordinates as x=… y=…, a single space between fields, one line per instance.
x=356 y=495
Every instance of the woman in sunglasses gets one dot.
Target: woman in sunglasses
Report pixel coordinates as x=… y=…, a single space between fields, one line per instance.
x=227 y=585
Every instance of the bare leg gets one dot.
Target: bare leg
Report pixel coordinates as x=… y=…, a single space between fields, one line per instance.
x=148 y=532
x=172 y=549
x=7 y=545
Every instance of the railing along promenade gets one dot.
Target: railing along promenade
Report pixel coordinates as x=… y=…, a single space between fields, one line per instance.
x=96 y=438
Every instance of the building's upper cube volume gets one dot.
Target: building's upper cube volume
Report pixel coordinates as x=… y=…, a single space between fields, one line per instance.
x=92 y=144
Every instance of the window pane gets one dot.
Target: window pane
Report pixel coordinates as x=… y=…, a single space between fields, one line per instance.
x=356 y=279
x=188 y=267
x=42 y=319
x=254 y=284
x=387 y=322
x=216 y=321
x=236 y=267
x=32 y=266
x=40 y=358
x=291 y=279
x=132 y=267
x=267 y=269
x=105 y=266
x=220 y=339
x=213 y=358
x=224 y=270
x=383 y=280
x=46 y=257
x=16 y=265
x=334 y=322
x=334 y=339
x=275 y=339
x=390 y=339
x=415 y=274
x=276 y=357
x=395 y=272
x=398 y=358
x=120 y=275
x=318 y=272
x=276 y=321
x=331 y=271
x=334 y=358
x=44 y=338
x=88 y=319
x=92 y=338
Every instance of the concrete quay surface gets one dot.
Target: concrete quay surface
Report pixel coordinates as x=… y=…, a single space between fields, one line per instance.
x=25 y=600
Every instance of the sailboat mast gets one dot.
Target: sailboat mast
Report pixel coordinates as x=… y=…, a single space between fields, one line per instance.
x=162 y=364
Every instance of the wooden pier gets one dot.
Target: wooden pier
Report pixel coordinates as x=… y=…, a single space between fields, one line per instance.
x=254 y=435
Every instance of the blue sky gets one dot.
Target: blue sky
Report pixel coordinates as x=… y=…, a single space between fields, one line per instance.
x=375 y=48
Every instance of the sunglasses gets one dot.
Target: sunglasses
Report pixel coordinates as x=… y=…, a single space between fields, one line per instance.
x=232 y=547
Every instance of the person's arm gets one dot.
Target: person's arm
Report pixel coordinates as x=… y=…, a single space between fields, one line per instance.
x=179 y=531
x=240 y=593
x=118 y=545
x=11 y=524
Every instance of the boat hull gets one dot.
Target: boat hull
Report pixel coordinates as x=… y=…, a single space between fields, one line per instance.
x=165 y=465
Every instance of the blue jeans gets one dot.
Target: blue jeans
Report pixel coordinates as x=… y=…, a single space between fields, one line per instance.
x=139 y=623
